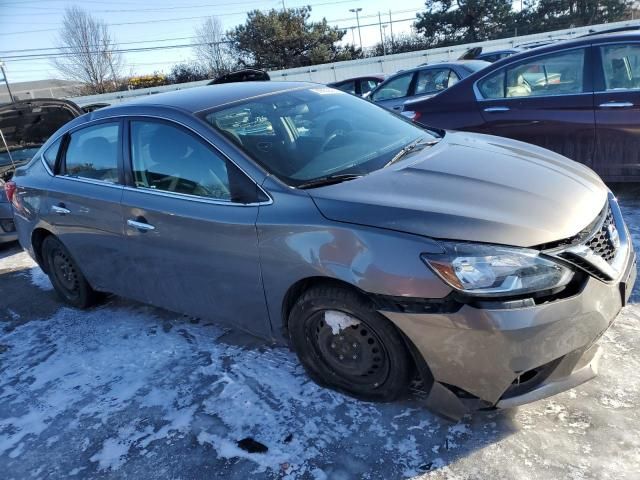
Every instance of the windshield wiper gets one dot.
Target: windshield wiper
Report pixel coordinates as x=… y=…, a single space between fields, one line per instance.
x=329 y=180
x=409 y=147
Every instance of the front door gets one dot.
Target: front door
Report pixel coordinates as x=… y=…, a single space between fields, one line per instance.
x=192 y=240
x=546 y=100
x=617 y=106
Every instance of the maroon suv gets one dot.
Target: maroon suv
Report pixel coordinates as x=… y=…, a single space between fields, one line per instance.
x=580 y=98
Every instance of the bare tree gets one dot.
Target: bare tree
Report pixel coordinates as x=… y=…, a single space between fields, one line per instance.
x=210 y=47
x=87 y=52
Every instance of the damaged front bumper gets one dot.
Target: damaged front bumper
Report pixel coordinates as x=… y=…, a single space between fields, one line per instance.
x=481 y=358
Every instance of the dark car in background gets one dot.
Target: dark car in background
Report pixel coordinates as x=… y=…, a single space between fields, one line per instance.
x=360 y=86
x=24 y=127
x=422 y=82
x=579 y=98
x=376 y=250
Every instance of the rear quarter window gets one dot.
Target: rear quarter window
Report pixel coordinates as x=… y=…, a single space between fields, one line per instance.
x=51 y=153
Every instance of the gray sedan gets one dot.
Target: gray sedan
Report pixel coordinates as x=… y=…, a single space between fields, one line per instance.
x=378 y=250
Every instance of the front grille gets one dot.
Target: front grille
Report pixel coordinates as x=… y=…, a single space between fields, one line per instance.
x=601 y=243
x=600 y=236
x=7 y=226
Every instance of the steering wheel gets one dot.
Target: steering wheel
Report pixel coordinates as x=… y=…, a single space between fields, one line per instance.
x=331 y=138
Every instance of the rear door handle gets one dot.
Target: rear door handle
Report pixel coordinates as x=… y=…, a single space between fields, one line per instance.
x=496 y=109
x=140 y=224
x=60 y=209
x=616 y=105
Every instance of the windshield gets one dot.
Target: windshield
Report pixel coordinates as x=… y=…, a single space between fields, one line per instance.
x=304 y=135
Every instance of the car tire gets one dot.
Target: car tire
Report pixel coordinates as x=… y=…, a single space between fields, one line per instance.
x=345 y=344
x=67 y=279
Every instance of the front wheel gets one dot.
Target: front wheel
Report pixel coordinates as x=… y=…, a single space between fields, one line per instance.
x=66 y=277
x=346 y=345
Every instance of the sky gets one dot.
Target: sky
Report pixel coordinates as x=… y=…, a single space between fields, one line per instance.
x=33 y=24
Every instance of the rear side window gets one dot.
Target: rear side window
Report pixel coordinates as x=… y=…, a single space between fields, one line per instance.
x=349 y=87
x=51 y=154
x=621 y=64
x=434 y=80
x=555 y=74
x=93 y=153
x=395 y=88
x=367 y=85
x=168 y=158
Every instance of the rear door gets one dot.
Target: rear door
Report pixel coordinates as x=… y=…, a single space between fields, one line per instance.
x=546 y=100
x=617 y=107
x=190 y=218
x=83 y=203
x=394 y=92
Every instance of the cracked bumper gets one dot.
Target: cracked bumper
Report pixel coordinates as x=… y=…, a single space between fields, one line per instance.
x=476 y=356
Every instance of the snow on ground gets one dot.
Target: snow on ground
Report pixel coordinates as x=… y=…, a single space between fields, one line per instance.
x=129 y=391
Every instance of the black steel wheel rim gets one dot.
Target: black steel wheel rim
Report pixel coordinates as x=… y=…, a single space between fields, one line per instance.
x=356 y=353
x=65 y=273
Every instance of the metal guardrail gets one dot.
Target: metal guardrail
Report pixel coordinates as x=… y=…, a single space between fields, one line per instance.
x=332 y=72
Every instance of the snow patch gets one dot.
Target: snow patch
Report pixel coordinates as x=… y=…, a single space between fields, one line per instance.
x=40 y=279
x=338 y=321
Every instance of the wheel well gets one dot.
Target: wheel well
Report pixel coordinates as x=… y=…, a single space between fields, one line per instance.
x=301 y=286
x=37 y=238
x=298 y=288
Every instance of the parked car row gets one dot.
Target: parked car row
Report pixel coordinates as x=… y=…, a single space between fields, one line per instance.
x=579 y=98
x=378 y=248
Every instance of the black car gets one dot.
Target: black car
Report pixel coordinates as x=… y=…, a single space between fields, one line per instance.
x=580 y=98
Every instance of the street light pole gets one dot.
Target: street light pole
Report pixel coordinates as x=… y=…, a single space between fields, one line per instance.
x=356 y=11
x=4 y=77
x=384 y=48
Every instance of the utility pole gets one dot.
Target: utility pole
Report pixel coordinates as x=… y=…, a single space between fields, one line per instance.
x=283 y=6
x=384 y=49
x=353 y=36
x=393 y=45
x=356 y=11
x=4 y=77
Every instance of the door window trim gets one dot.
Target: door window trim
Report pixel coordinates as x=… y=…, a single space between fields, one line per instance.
x=124 y=135
x=587 y=70
x=128 y=166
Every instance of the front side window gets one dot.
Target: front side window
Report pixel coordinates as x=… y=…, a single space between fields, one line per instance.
x=554 y=74
x=318 y=132
x=167 y=158
x=93 y=153
x=434 y=80
x=395 y=88
x=621 y=64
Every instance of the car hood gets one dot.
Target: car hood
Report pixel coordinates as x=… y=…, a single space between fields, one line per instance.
x=29 y=123
x=472 y=187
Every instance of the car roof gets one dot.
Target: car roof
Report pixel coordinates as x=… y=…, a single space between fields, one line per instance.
x=210 y=96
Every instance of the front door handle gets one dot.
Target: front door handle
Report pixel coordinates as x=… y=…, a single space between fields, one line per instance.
x=496 y=109
x=60 y=209
x=140 y=224
x=616 y=105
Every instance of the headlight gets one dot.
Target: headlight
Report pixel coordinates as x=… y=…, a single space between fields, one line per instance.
x=487 y=270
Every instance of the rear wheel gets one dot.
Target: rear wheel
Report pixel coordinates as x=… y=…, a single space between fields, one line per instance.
x=66 y=277
x=346 y=345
